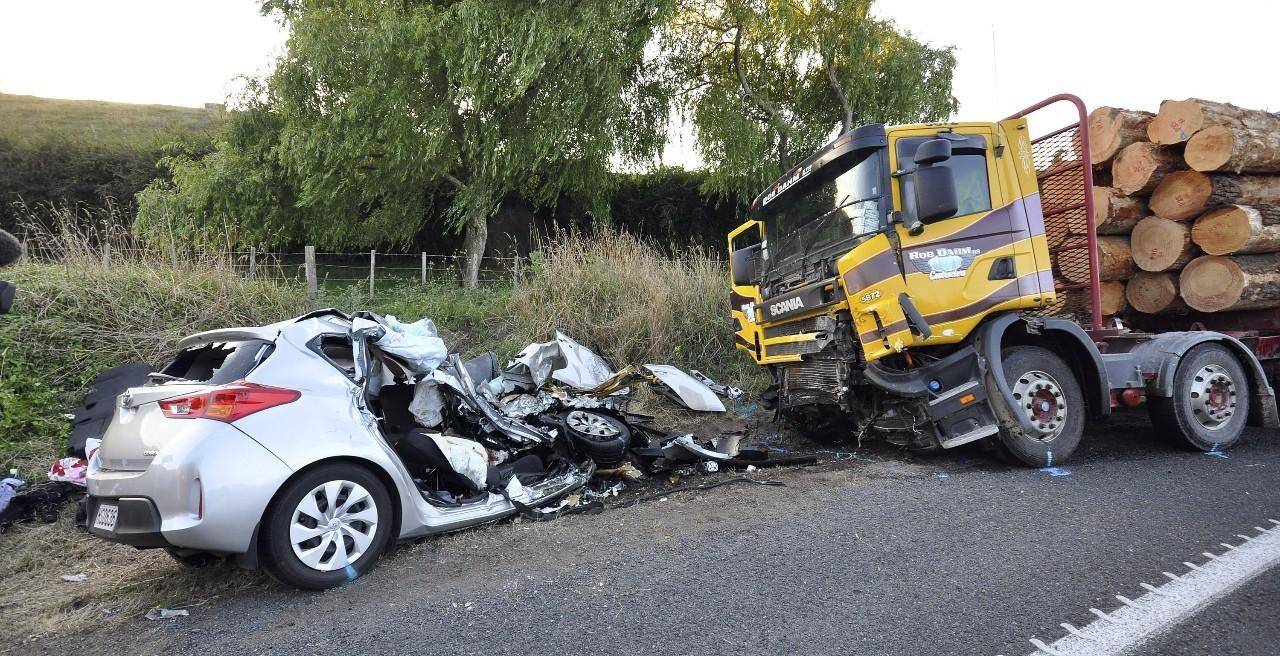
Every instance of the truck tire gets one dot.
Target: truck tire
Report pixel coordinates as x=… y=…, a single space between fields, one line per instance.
x=1210 y=402
x=327 y=527
x=1046 y=392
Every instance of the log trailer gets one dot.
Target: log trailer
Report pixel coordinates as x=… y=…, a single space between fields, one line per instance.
x=938 y=284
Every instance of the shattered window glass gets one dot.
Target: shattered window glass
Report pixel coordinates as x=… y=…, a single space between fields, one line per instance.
x=218 y=363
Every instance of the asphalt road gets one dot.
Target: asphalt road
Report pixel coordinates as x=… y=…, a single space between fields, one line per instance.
x=884 y=554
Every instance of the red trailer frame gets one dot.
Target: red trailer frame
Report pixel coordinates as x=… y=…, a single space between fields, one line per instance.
x=1065 y=174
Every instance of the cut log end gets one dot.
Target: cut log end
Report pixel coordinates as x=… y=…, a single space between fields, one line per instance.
x=1236 y=229
x=1153 y=293
x=1112 y=294
x=1111 y=129
x=1141 y=166
x=1181 y=195
x=1213 y=283
x=1176 y=121
x=1115 y=261
x=1161 y=245
x=1210 y=149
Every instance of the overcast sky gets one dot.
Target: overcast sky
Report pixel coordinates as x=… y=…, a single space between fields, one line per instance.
x=1115 y=52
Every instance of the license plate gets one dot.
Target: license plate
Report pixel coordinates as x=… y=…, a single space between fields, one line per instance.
x=106 y=517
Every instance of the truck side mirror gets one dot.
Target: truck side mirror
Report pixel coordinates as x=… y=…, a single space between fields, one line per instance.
x=743 y=265
x=935 y=186
x=933 y=151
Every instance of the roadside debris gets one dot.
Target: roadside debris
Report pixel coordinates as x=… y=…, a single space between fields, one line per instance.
x=165 y=613
x=8 y=490
x=75 y=578
x=40 y=501
x=68 y=470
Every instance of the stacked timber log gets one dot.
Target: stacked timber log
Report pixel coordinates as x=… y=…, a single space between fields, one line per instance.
x=1191 y=217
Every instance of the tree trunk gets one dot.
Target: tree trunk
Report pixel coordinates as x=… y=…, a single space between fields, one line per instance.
x=1213 y=283
x=1114 y=214
x=1186 y=194
x=1237 y=229
x=1161 y=245
x=473 y=243
x=1236 y=149
x=1115 y=261
x=1179 y=120
x=1112 y=293
x=1154 y=293
x=1111 y=129
x=1141 y=166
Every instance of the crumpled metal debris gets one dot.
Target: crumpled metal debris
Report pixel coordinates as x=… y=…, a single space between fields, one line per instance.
x=524 y=405
x=685 y=389
x=561 y=359
x=686 y=449
x=731 y=393
x=165 y=613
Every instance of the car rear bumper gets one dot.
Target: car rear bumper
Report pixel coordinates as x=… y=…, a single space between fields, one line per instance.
x=203 y=491
x=137 y=522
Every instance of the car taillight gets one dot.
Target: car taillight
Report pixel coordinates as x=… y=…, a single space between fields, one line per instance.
x=228 y=402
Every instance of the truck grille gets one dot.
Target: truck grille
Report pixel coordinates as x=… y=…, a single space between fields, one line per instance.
x=793 y=348
x=823 y=375
x=809 y=325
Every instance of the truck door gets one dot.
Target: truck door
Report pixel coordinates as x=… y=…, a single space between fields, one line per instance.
x=961 y=268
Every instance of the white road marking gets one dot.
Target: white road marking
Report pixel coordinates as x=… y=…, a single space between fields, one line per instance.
x=1139 y=620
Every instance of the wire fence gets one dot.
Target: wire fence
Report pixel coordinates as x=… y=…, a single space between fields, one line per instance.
x=315 y=269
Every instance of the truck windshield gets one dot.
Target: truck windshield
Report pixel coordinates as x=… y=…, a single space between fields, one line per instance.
x=842 y=201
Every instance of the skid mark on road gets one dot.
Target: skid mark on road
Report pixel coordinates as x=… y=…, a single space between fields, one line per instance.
x=1162 y=607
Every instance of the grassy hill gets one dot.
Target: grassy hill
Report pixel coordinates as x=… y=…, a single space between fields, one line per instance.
x=31 y=121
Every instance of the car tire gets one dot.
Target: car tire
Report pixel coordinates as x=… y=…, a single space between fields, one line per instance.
x=1210 y=402
x=599 y=436
x=326 y=527
x=1047 y=392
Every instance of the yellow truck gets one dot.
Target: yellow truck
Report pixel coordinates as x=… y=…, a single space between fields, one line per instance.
x=914 y=282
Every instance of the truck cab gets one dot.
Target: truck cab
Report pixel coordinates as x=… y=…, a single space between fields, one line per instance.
x=845 y=231
x=938 y=284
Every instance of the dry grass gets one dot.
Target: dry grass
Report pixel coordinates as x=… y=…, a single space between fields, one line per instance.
x=123 y=582
x=632 y=303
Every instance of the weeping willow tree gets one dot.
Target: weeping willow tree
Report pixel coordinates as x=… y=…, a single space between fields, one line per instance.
x=765 y=82
x=379 y=105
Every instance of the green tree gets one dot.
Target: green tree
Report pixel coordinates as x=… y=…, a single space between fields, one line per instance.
x=766 y=82
x=381 y=104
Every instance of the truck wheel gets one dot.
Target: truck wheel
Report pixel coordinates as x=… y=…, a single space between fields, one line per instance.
x=1210 y=402
x=326 y=527
x=1046 y=392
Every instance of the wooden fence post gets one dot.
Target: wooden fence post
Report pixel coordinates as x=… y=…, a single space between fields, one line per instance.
x=515 y=271
x=106 y=255
x=373 y=262
x=424 y=267
x=310 y=266
x=253 y=261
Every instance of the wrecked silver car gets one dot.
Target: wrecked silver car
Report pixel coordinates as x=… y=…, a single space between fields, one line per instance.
x=310 y=445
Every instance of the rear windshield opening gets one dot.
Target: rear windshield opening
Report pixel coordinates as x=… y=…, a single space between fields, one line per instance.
x=218 y=363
